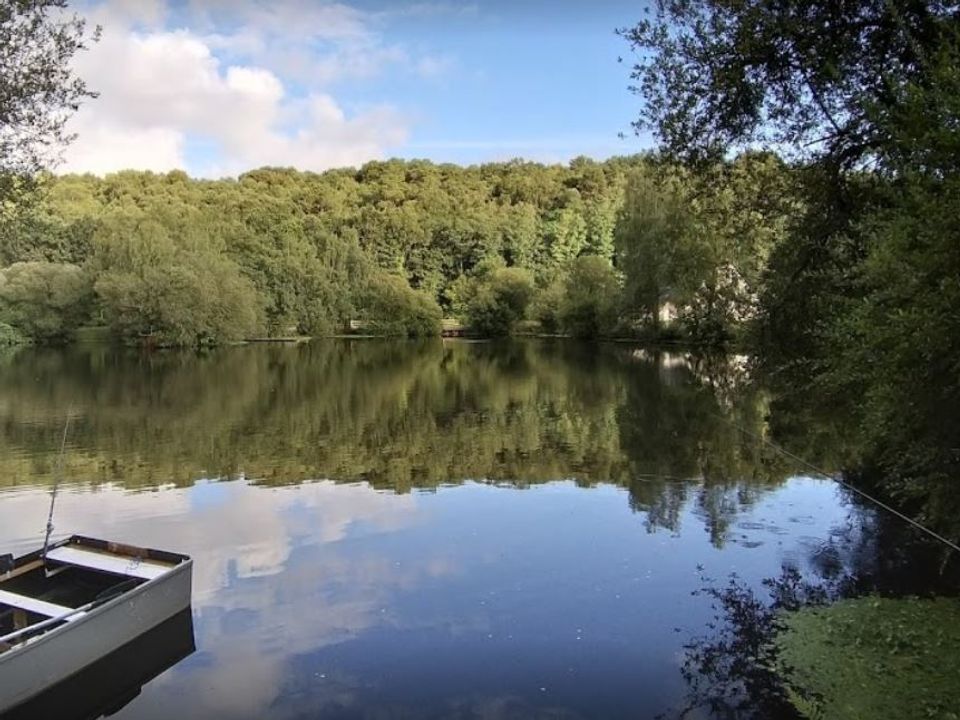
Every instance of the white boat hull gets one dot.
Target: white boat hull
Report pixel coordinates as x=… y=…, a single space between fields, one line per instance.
x=44 y=661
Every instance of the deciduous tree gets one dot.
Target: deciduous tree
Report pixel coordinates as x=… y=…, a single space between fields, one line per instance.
x=43 y=300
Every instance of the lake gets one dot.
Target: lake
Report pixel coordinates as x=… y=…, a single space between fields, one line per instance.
x=434 y=529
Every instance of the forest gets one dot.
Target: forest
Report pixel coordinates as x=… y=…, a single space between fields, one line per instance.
x=396 y=245
x=802 y=203
x=858 y=320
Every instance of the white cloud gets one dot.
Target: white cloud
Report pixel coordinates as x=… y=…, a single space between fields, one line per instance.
x=357 y=61
x=161 y=89
x=434 y=66
x=106 y=147
x=318 y=43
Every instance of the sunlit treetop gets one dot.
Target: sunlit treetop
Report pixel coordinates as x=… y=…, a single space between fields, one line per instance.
x=814 y=79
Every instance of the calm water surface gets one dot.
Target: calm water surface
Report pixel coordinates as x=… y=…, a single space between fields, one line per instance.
x=466 y=530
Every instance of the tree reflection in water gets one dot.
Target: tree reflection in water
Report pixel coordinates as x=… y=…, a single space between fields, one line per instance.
x=400 y=416
x=734 y=669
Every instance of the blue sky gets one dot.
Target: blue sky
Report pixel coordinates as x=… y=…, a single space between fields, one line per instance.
x=219 y=86
x=541 y=81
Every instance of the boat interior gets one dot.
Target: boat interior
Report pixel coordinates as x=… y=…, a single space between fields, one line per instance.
x=40 y=593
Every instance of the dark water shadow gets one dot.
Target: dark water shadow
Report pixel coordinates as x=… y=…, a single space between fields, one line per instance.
x=115 y=680
x=734 y=668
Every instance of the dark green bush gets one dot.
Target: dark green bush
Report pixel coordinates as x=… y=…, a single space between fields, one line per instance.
x=591 y=298
x=391 y=307
x=497 y=300
x=45 y=301
x=11 y=336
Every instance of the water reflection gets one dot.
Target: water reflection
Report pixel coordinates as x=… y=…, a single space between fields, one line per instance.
x=475 y=601
x=380 y=529
x=735 y=667
x=396 y=415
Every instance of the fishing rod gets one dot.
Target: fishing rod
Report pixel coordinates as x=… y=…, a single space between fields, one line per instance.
x=57 y=478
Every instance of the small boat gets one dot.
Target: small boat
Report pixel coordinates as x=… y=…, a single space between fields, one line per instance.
x=109 y=684
x=63 y=610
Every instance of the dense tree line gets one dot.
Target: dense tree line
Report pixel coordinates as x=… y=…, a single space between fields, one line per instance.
x=590 y=248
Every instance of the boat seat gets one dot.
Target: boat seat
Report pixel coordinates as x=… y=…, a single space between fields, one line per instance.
x=40 y=607
x=105 y=562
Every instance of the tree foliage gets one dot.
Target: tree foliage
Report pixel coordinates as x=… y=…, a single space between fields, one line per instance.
x=809 y=77
x=496 y=298
x=38 y=40
x=590 y=300
x=44 y=301
x=656 y=240
x=168 y=289
x=392 y=307
x=310 y=243
x=858 y=297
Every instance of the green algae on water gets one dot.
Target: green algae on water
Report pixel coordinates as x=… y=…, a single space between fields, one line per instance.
x=874 y=658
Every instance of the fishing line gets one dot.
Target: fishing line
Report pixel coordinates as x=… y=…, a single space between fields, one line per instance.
x=58 y=476
x=839 y=480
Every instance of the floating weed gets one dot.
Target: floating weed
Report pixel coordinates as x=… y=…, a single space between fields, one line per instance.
x=873 y=658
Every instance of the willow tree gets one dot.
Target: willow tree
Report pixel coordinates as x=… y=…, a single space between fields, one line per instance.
x=45 y=301
x=164 y=285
